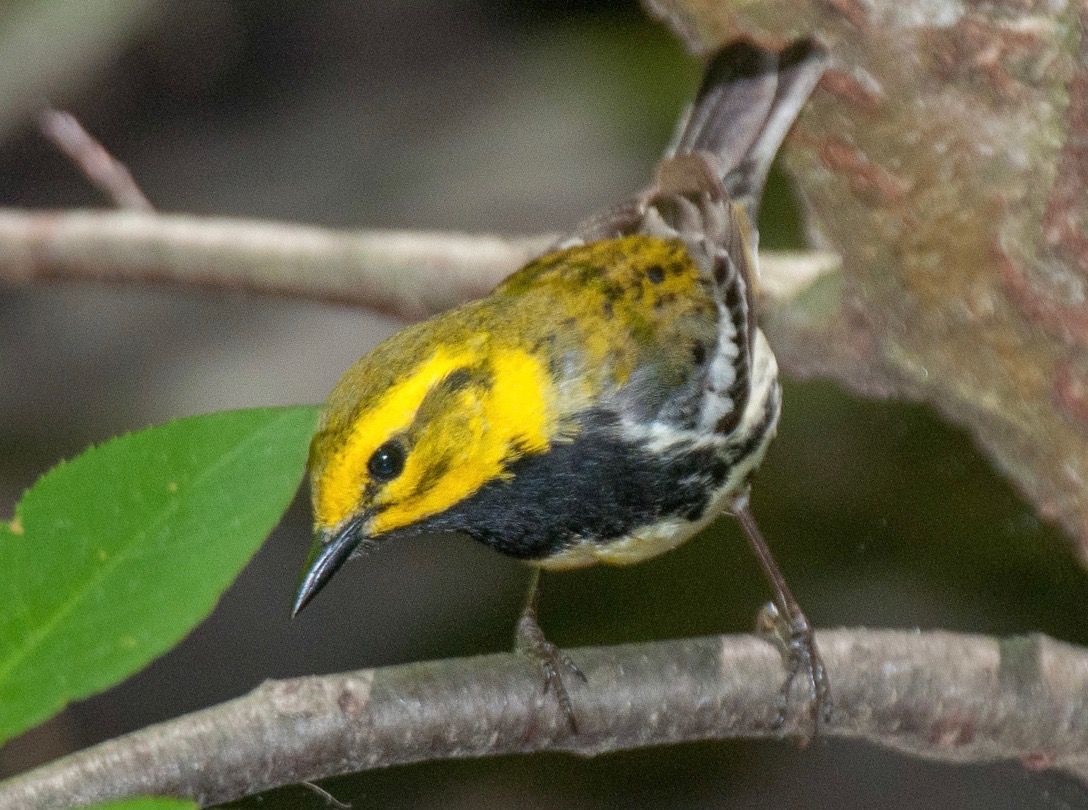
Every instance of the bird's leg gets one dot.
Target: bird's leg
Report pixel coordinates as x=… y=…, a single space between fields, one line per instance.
x=531 y=641
x=784 y=624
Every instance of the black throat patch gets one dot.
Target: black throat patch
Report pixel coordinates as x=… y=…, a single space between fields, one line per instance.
x=598 y=487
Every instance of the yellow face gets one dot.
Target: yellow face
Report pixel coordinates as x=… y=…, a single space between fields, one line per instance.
x=414 y=428
x=430 y=439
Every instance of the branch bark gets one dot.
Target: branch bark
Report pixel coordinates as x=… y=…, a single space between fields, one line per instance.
x=945 y=696
x=411 y=275
x=408 y=274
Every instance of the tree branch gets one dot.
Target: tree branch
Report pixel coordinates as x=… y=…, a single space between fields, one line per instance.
x=403 y=273
x=950 y=697
x=102 y=170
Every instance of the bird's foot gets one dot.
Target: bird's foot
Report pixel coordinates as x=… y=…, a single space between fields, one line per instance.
x=805 y=671
x=531 y=641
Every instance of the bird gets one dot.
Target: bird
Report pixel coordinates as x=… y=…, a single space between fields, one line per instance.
x=605 y=402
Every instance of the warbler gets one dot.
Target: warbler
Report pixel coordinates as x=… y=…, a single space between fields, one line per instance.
x=606 y=401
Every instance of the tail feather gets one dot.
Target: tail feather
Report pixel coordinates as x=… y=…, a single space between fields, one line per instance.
x=726 y=141
x=746 y=105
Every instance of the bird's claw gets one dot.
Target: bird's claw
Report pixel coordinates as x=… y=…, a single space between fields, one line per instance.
x=794 y=638
x=552 y=661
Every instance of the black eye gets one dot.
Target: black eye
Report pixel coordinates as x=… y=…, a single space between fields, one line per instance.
x=387 y=462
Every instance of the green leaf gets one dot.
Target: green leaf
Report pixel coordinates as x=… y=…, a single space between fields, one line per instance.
x=145 y=804
x=114 y=556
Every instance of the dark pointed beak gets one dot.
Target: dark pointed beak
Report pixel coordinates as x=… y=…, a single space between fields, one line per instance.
x=329 y=552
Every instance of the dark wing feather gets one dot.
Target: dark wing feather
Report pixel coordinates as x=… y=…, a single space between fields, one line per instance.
x=707 y=192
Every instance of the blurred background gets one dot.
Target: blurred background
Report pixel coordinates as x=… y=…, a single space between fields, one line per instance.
x=511 y=116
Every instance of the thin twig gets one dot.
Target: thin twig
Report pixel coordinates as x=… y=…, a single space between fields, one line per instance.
x=410 y=274
x=330 y=800
x=945 y=696
x=102 y=169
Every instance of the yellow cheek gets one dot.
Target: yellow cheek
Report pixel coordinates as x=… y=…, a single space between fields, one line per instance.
x=515 y=416
x=338 y=485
